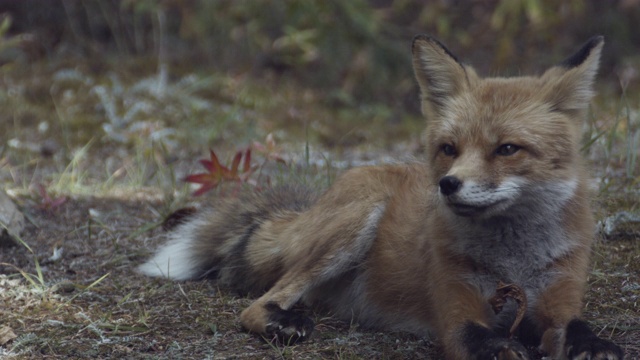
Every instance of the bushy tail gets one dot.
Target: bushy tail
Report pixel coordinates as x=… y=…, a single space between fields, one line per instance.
x=214 y=241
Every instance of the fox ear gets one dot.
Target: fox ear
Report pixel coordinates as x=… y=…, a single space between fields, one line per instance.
x=569 y=86
x=439 y=73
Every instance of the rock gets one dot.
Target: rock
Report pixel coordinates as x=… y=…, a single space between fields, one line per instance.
x=11 y=221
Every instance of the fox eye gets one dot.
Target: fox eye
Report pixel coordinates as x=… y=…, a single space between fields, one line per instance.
x=507 y=149
x=448 y=150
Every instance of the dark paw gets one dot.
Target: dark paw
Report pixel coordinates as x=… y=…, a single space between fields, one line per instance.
x=287 y=327
x=593 y=348
x=502 y=349
x=581 y=343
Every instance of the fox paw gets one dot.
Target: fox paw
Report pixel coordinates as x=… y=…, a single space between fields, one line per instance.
x=582 y=344
x=593 y=348
x=502 y=349
x=287 y=327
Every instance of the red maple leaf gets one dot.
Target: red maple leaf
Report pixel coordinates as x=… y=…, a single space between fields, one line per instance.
x=246 y=170
x=218 y=173
x=48 y=203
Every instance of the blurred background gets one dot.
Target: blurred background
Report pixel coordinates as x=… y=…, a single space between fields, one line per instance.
x=357 y=48
x=187 y=75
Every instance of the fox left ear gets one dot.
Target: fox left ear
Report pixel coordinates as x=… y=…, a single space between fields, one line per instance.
x=439 y=73
x=569 y=86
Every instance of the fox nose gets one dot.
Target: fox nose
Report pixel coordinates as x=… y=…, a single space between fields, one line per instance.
x=449 y=185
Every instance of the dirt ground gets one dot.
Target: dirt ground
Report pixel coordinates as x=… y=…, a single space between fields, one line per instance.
x=92 y=304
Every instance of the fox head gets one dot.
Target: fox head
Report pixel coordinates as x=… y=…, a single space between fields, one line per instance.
x=495 y=143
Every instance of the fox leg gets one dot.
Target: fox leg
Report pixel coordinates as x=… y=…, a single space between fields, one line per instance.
x=565 y=336
x=271 y=317
x=333 y=247
x=466 y=330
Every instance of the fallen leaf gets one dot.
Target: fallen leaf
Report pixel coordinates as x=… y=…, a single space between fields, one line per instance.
x=270 y=149
x=6 y=335
x=217 y=173
x=47 y=202
x=504 y=291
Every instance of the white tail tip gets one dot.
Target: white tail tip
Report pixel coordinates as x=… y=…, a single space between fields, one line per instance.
x=174 y=261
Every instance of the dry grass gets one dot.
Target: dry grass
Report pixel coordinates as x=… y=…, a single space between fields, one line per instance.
x=125 y=315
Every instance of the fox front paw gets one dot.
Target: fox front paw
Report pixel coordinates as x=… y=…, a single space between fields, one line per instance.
x=582 y=344
x=502 y=349
x=287 y=327
x=593 y=348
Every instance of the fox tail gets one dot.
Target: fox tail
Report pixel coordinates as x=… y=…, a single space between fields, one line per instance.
x=235 y=240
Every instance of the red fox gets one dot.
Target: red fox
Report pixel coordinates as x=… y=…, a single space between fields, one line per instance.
x=501 y=197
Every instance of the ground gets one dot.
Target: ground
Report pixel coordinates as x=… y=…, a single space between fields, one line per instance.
x=111 y=157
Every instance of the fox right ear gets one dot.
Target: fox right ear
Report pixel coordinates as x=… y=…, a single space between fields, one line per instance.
x=439 y=73
x=569 y=86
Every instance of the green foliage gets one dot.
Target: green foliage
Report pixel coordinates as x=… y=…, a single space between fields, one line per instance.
x=358 y=50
